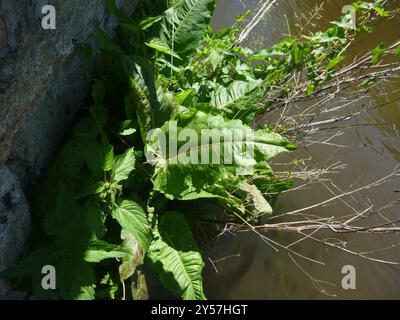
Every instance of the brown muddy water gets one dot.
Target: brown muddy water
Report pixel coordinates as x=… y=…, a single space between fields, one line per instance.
x=244 y=266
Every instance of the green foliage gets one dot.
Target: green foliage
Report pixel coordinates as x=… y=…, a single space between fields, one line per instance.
x=175 y=256
x=378 y=52
x=114 y=200
x=397 y=51
x=133 y=219
x=183 y=27
x=184 y=176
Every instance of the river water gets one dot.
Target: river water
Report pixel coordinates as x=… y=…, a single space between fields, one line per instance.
x=246 y=267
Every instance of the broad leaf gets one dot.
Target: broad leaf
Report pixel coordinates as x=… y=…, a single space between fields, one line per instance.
x=239 y=100
x=183 y=27
x=129 y=263
x=124 y=165
x=132 y=218
x=152 y=109
x=100 y=250
x=217 y=150
x=176 y=258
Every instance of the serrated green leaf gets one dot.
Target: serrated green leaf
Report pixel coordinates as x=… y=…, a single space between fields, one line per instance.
x=98 y=251
x=132 y=218
x=123 y=166
x=109 y=159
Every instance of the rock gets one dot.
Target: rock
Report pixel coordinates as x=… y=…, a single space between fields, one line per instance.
x=43 y=82
x=3 y=31
x=43 y=85
x=14 y=222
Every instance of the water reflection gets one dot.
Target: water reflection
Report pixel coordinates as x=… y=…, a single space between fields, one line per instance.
x=259 y=272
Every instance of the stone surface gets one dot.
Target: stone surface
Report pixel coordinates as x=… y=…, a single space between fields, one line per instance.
x=43 y=84
x=14 y=222
x=3 y=31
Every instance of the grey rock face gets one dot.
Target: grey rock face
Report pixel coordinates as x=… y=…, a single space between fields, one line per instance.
x=43 y=84
x=14 y=222
x=3 y=31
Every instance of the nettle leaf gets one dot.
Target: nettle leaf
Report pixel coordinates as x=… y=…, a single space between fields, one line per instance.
x=108 y=159
x=100 y=250
x=210 y=150
x=123 y=166
x=183 y=27
x=131 y=262
x=176 y=258
x=132 y=218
